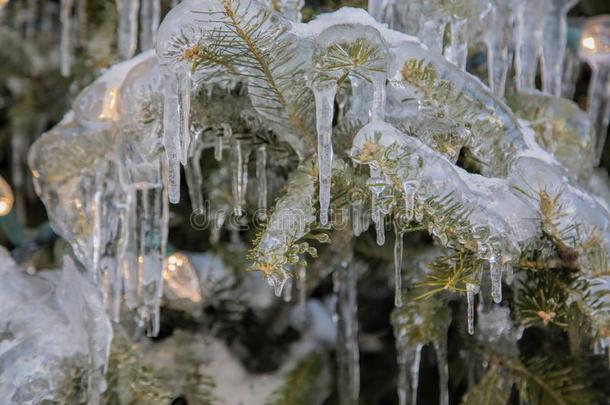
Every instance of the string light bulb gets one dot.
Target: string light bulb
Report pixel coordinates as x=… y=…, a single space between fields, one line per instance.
x=181 y=278
x=7 y=199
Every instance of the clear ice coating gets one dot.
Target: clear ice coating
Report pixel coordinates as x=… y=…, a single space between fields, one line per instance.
x=54 y=327
x=595 y=50
x=107 y=172
x=536 y=29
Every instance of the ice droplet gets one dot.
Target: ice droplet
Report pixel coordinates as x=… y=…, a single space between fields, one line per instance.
x=409 y=190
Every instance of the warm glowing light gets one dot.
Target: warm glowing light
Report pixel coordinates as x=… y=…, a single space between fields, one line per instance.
x=589 y=43
x=7 y=199
x=109 y=109
x=3 y=3
x=181 y=278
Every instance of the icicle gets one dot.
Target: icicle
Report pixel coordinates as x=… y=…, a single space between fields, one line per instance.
x=497 y=62
x=398 y=247
x=240 y=176
x=358 y=218
x=287 y=296
x=219 y=144
x=348 y=355
x=149 y=21
x=325 y=97
x=377 y=185
x=194 y=178
x=409 y=357
x=127 y=11
x=171 y=129
x=378 y=107
x=496 y=281
x=302 y=273
x=278 y=283
x=81 y=13
x=440 y=347
x=261 y=177
x=184 y=105
x=555 y=38
x=530 y=24
x=66 y=37
x=471 y=291
x=409 y=189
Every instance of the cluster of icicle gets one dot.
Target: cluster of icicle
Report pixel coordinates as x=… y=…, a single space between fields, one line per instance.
x=108 y=171
x=137 y=25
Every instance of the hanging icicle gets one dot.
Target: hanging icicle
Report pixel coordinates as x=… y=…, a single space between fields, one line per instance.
x=150 y=11
x=377 y=185
x=398 y=252
x=325 y=98
x=66 y=46
x=496 y=271
x=261 y=178
x=440 y=348
x=194 y=177
x=127 y=11
x=471 y=291
x=555 y=38
x=348 y=354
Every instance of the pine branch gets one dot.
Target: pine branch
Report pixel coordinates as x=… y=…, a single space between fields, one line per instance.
x=250 y=43
x=493 y=388
x=451 y=273
x=307 y=383
x=539 y=381
x=129 y=380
